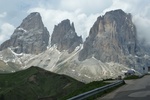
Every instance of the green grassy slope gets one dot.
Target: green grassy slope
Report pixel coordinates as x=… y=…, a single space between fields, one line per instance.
x=35 y=83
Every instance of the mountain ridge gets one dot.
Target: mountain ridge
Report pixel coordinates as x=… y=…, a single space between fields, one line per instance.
x=110 y=34
x=30 y=37
x=110 y=49
x=65 y=37
x=35 y=83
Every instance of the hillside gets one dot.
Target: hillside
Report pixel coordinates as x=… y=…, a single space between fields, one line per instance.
x=111 y=48
x=8 y=67
x=35 y=83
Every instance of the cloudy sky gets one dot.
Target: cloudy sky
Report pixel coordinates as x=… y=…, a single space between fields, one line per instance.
x=82 y=12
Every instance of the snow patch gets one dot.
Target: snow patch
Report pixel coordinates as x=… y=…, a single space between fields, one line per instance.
x=73 y=70
x=79 y=47
x=16 y=54
x=87 y=76
x=21 y=29
x=136 y=56
x=146 y=56
x=79 y=74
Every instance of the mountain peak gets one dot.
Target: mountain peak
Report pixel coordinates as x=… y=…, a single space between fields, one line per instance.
x=30 y=37
x=65 y=21
x=65 y=37
x=67 y=25
x=35 y=13
x=111 y=37
x=119 y=11
x=32 y=21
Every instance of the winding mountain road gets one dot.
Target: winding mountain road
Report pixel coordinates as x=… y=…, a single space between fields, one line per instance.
x=133 y=90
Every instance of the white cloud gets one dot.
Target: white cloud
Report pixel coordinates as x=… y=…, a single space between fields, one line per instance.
x=140 y=10
x=82 y=22
x=87 y=6
x=142 y=26
x=6 y=30
x=3 y=15
x=82 y=12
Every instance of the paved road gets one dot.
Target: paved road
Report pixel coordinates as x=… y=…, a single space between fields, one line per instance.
x=133 y=90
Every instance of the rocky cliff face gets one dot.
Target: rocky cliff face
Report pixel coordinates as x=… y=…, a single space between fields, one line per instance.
x=110 y=49
x=111 y=37
x=30 y=37
x=65 y=37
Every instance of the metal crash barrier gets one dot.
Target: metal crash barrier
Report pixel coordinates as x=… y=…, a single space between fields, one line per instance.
x=96 y=91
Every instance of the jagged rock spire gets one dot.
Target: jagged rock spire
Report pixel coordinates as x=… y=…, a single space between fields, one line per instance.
x=65 y=37
x=111 y=37
x=30 y=37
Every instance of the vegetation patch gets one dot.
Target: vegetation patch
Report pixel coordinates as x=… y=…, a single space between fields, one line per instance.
x=92 y=86
x=130 y=77
x=104 y=92
x=36 y=84
x=87 y=87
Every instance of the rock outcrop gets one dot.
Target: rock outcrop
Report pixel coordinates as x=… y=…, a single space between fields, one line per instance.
x=30 y=37
x=111 y=48
x=65 y=37
x=111 y=37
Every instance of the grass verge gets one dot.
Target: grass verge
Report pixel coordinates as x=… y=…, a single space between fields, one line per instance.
x=131 y=77
x=104 y=92
x=92 y=86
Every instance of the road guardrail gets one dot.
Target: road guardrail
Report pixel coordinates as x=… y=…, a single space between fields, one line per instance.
x=96 y=91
